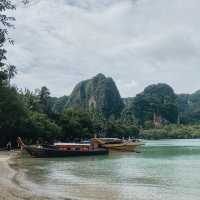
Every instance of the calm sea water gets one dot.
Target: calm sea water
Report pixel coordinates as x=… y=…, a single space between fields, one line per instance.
x=163 y=170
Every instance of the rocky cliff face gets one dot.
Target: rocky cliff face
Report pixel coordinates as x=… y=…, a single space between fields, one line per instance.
x=99 y=93
x=189 y=107
x=157 y=103
x=60 y=104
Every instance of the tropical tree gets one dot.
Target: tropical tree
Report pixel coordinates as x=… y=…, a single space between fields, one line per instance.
x=5 y=23
x=76 y=124
x=44 y=95
x=12 y=71
x=12 y=114
x=30 y=100
x=39 y=126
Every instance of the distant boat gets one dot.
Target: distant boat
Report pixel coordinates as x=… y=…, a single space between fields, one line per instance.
x=62 y=150
x=116 y=144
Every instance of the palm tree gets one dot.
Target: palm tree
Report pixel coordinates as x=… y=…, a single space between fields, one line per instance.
x=11 y=72
x=5 y=23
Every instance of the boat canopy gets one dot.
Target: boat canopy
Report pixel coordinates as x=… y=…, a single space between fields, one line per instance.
x=71 y=144
x=110 y=139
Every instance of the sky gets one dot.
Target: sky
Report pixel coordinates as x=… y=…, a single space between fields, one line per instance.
x=136 y=42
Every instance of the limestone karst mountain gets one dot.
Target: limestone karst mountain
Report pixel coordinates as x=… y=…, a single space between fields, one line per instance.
x=99 y=93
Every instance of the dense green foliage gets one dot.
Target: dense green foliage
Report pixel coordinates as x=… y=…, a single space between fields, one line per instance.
x=28 y=114
x=12 y=113
x=37 y=126
x=76 y=125
x=122 y=130
x=6 y=71
x=189 y=107
x=172 y=132
x=59 y=104
x=156 y=103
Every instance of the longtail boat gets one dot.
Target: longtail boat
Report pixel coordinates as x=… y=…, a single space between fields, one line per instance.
x=62 y=150
x=116 y=144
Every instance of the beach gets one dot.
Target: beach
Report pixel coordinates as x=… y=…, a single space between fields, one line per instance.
x=9 y=189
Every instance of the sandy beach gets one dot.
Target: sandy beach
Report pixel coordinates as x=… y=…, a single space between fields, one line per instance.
x=9 y=189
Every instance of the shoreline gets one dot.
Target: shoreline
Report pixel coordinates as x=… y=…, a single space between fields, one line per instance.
x=9 y=187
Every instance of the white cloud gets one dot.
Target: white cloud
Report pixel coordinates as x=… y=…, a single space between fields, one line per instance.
x=139 y=42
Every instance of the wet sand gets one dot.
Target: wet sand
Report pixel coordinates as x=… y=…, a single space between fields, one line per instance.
x=9 y=189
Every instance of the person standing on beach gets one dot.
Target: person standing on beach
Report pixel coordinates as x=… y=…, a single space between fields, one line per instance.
x=9 y=146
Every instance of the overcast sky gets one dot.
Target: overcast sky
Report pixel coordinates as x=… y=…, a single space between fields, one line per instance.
x=137 y=42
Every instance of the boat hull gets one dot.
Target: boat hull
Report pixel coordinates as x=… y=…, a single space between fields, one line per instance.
x=121 y=147
x=115 y=144
x=46 y=152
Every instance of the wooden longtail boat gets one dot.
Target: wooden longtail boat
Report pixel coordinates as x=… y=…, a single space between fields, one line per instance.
x=62 y=150
x=116 y=144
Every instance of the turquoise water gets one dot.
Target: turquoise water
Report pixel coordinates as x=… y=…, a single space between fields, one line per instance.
x=166 y=169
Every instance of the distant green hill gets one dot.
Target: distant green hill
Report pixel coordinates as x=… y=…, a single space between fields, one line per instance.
x=156 y=105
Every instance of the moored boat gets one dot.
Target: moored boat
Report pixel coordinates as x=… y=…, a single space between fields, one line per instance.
x=62 y=150
x=116 y=144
